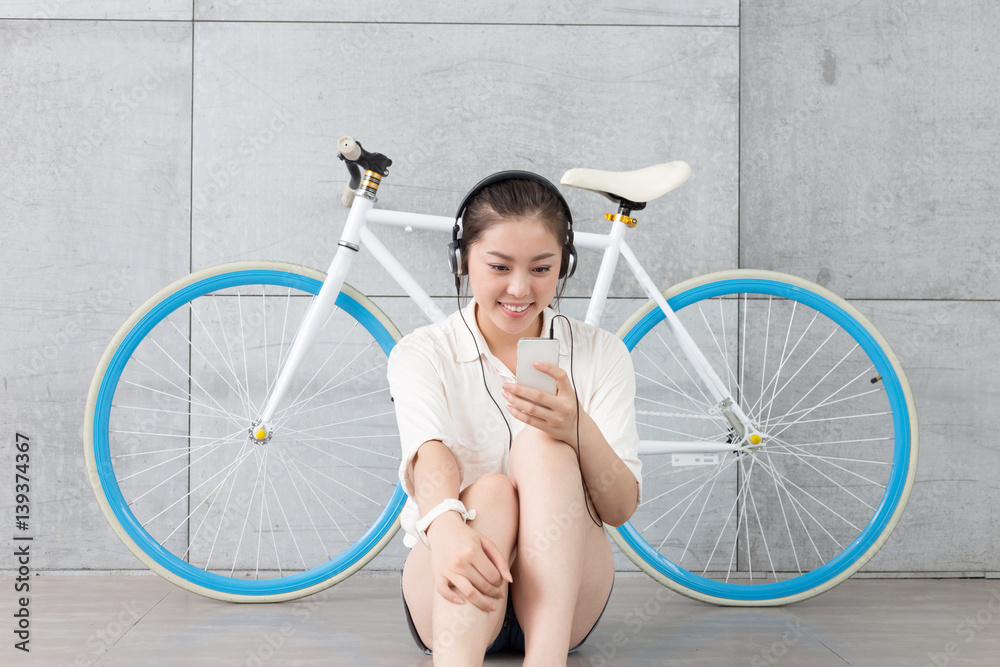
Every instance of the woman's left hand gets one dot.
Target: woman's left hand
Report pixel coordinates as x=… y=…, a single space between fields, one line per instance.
x=554 y=414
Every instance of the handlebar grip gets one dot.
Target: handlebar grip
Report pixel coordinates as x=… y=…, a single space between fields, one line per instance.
x=348 y=197
x=349 y=148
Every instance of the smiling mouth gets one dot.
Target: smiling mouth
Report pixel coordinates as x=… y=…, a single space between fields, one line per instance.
x=515 y=309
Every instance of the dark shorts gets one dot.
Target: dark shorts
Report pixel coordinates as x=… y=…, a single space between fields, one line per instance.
x=511 y=637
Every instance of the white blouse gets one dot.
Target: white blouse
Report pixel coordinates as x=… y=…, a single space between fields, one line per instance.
x=437 y=387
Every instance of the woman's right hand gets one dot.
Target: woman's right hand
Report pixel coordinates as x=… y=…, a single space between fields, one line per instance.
x=466 y=564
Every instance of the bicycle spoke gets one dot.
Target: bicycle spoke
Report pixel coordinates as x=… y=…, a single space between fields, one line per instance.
x=251 y=410
x=817 y=501
x=282 y=348
x=350 y=465
x=305 y=508
x=175 y=386
x=701 y=512
x=327 y=406
x=245 y=394
x=317 y=492
x=221 y=413
x=786 y=426
x=183 y=498
x=763 y=536
x=784 y=517
x=805 y=459
x=246 y=519
x=712 y=476
x=302 y=437
x=684 y=367
x=826 y=403
x=296 y=408
x=784 y=361
x=781 y=363
x=231 y=469
x=806 y=363
x=305 y=386
x=239 y=390
x=689 y=436
x=184 y=452
x=723 y=349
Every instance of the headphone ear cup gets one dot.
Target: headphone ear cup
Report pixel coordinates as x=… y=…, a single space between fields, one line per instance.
x=570 y=250
x=455 y=257
x=571 y=262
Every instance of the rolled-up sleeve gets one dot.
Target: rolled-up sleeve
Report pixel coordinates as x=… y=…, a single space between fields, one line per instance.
x=418 y=392
x=612 y=403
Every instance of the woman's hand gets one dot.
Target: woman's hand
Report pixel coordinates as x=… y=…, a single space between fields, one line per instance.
x=466 y=564
x=554 y=414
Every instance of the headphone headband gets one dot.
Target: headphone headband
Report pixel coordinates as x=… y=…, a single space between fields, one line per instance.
x=455 y=247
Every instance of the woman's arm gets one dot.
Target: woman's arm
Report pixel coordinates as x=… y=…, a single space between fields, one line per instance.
x=611 y=484
x=467 y=565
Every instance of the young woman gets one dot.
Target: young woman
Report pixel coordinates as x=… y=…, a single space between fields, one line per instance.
x=521 y=560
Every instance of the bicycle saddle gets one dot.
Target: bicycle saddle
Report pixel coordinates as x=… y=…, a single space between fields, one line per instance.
x=638 y=186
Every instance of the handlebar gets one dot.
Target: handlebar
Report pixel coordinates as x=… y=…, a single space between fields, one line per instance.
x=356 y=158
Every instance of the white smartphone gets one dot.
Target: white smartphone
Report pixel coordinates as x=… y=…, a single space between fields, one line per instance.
x=530 y=350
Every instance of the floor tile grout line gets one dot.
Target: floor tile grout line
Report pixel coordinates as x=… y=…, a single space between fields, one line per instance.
x=131 y=627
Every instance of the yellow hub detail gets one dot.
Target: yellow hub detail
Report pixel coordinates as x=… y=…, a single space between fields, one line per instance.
x=755 y=439
x=260 y=434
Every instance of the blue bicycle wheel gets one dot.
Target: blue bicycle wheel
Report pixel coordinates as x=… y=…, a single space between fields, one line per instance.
x=167 y=439
x=828 y=483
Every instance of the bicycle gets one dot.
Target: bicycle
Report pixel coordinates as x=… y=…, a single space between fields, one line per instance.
x=246 y=457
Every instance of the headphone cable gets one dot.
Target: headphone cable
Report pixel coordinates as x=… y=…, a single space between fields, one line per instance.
x=479 y=355
x=579 y=445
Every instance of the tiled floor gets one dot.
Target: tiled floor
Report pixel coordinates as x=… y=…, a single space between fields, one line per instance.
x=141 y=620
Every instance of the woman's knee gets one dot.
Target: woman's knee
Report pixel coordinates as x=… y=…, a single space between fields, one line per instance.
x=495 y=487
x=533 y=451
x=495 y=500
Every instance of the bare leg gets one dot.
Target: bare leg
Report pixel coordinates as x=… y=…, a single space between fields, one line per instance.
x=564 y=569
x=460 y=634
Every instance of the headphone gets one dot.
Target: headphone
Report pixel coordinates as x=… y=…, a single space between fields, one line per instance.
x=455 y=247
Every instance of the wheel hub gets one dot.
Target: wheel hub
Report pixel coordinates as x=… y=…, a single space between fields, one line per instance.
x=259 y=434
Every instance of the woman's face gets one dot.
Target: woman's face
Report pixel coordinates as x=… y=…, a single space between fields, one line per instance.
x=513 y=275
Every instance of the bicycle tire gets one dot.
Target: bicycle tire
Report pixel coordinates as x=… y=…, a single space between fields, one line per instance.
x=704 y=525
x=174 y=396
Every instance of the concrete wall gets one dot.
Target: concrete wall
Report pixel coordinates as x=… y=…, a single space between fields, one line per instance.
x=852 y=143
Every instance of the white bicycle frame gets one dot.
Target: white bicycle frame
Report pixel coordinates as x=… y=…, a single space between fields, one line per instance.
x=357 y=234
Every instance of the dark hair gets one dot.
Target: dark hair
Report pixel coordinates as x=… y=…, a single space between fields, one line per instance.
x=515 y=198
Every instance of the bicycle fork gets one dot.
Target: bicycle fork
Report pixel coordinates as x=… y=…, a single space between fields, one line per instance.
x=319 y=311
